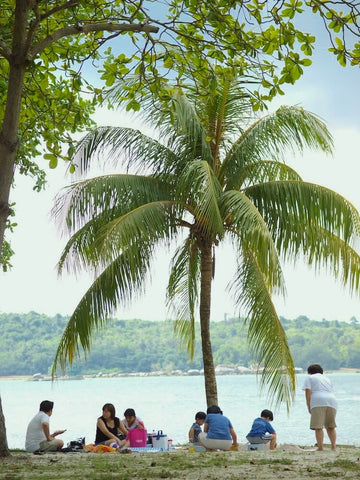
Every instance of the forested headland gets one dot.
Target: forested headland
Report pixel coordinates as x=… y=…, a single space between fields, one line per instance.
x=29 y=341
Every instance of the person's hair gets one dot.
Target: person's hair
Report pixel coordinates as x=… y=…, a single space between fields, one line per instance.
x=110 y=408
x=214 y=409
x=46 y=406
x=129 y=412
x=200 y=416
x=267 y=414
x=314 y=368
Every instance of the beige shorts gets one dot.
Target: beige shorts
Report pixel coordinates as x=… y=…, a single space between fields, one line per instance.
x=51 y=446
x=214 y=443
x=322 y=417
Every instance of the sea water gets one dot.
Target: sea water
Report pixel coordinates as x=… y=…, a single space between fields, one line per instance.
x=169 y=404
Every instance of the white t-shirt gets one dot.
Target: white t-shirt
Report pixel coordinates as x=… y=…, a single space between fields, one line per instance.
x=322 y=392
x=35 y=433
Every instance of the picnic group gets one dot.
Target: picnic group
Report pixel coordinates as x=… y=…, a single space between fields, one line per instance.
x=211 y=430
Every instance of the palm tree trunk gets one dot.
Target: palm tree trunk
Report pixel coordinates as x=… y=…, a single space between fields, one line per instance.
x=205 y=306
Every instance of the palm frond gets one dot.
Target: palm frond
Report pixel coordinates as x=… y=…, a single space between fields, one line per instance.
x=199 y=188
x=81 y=201
x=267 y=339
x=78 y=253
x=310 y=204
x=117 y=284
x=149 y=224
x=126 y=146
x=175 y=118
x=289 y=128
x=324 y=250
x=182 y=291
x=187 y=135
x=337 y=256
x=244 y=223
x=104 y=236
x=263 y=171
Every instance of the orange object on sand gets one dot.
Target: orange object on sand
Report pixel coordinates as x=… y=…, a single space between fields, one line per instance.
x=91 y=447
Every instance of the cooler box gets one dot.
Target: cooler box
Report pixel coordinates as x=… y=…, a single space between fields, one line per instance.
x=160 y=440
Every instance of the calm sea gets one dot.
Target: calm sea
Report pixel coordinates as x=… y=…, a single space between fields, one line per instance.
x=169 y=404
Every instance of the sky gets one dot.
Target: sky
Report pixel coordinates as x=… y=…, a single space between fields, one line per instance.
x=326 y=89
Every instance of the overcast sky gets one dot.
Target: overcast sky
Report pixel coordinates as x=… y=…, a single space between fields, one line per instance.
x=327 y=90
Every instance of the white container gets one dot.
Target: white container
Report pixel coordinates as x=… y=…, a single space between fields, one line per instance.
x=160 y=440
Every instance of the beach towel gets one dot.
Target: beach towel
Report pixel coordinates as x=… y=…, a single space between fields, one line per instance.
x=91 y=447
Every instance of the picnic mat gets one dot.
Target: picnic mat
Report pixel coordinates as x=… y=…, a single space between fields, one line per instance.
x=146 y=449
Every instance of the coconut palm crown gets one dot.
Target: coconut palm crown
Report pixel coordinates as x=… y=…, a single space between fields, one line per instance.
x=213 y=174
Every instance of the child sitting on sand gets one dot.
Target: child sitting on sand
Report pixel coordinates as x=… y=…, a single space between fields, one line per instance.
x=261 y=430
x=195 y=429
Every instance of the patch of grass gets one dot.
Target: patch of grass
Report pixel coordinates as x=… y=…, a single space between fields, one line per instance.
x=180 y=465
x=274 y=461
x=345 y=463
x=316 y=473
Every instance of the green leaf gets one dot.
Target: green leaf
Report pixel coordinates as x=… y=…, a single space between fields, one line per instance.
x=53 y=161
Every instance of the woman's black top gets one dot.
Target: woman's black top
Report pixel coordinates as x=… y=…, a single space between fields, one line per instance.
x=100 y=436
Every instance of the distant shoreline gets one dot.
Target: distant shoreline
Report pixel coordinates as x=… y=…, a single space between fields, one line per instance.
x=139 y=374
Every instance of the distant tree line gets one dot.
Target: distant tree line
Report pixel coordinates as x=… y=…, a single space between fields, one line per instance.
x=28 y=344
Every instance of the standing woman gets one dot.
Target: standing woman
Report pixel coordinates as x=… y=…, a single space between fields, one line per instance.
x=322 y=405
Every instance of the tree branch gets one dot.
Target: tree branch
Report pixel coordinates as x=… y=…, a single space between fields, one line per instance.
x=95 y=27
x=58 y=8
x=5 y=50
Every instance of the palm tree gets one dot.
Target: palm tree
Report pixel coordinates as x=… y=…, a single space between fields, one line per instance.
x=212 y=175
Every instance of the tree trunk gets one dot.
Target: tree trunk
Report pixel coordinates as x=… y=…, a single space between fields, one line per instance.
x=10 y=125
x=4 y=449
x=205 y=305
x=9 y=139
x=6 y=176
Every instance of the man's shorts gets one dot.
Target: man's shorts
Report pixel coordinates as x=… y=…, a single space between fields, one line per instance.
x=51 y=446
x=322 y=417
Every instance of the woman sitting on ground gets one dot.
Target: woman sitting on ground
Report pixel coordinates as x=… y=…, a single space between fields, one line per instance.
x=109 y=427
x=218 y=431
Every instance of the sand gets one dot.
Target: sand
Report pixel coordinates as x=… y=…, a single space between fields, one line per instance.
x=287 y=462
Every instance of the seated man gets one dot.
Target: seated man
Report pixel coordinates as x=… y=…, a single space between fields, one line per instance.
x=38 y=437
x=261 y=430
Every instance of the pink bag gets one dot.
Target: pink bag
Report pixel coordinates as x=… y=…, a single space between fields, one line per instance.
x=137 y=437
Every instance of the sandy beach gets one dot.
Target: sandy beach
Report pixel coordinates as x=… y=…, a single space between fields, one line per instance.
x=287 y=462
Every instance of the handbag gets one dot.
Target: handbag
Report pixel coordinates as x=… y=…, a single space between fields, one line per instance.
x=137 y=437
